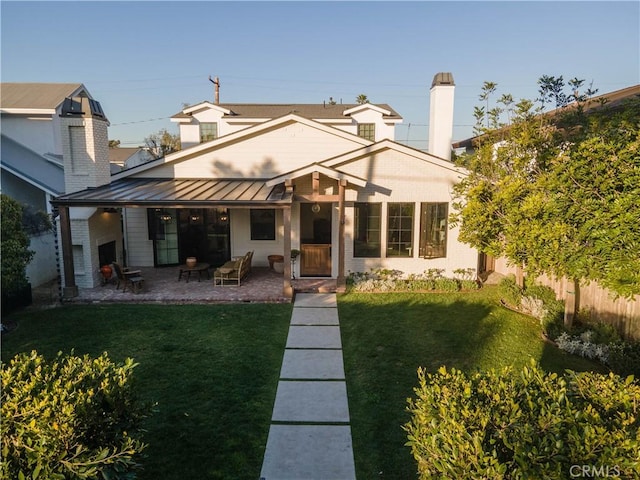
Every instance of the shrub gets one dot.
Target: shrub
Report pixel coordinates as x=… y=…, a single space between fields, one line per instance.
x=510 y=291
x=503 y=425
x=624 y=358
x=74 y=417
x=447 y=285
x=14 y=247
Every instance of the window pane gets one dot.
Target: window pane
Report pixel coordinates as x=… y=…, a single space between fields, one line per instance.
x=433 y=230
x=400 y=229
x=208 y=132
x=366 y=240
x=263 y=224
x=367 y=130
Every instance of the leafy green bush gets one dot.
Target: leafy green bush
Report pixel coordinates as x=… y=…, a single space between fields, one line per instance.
x=14 y=246
x=72 y=418
x=447 y=284
x=624 y=358
x=531 y=424
x=510 y=291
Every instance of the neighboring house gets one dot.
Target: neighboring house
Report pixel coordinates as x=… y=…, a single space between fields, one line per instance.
x=615 y=99
x=31 y=157
x=328 y=180
x=122 y=158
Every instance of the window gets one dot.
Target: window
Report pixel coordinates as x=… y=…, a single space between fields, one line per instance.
x=208 y=132
x=433 y=230
x=367 y=130
x=400 y=229
x=366 y=237
x=263 y=224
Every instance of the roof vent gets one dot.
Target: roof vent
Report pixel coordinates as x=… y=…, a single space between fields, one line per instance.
x=82 y=107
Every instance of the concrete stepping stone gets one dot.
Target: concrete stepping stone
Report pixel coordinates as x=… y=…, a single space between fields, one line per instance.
x=322 y=300
x=309 y=452
x=313 y=337
x=301 y=401
x=312 y=364
x=314 y=316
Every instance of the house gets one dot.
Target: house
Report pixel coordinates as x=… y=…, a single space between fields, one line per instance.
x=122 y=158
x=326 y=179
x=31 y=157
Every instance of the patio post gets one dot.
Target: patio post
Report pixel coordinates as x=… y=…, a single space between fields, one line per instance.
x=69 y=290
x=340 y=281
x=287 y=289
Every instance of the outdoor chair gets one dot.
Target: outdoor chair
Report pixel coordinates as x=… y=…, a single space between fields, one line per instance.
x=128 y=278
x=234 y=271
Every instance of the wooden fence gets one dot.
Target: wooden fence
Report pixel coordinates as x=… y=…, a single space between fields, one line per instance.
x=599 y=303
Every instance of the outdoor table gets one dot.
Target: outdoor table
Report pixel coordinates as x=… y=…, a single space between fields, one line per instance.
x=198 y=267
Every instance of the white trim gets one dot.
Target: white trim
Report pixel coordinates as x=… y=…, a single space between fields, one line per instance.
x=29 y=111
x=391 y=145
x=205 y=105
x=203 y=148
x=367 y=106
x=315 y=167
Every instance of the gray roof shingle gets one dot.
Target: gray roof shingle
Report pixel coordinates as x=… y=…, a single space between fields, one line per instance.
x=37 y=95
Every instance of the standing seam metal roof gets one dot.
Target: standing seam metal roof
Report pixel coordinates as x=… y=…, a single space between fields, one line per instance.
x=169 y=191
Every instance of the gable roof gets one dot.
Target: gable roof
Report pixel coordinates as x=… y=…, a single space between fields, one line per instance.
x=386 y=144
x=37 y=96
x=239 y=136
x=31 y=167
x=320 y=111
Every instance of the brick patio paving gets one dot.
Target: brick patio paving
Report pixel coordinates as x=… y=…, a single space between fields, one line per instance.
x=161 y=285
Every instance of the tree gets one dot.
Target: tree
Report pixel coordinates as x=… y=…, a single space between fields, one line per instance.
x=362 y=99
x=162 y=143
x=114 y=143
x=559 y=194
x=14 y=247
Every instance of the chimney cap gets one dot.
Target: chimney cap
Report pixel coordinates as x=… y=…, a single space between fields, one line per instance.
x=443 y=78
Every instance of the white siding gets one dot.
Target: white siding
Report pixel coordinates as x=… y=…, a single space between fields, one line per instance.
x=272 y=153
x=241 y=241
x=139 y=247
x=43 y=267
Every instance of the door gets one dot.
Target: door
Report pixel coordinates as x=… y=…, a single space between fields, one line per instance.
x=315 y=234
x=204 y=234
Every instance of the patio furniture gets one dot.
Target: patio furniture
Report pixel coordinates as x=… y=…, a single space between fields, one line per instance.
x=198 y=267
x=234 y=271
x=128 y=278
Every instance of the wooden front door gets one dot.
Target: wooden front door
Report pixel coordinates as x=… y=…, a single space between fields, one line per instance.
x=315 y=233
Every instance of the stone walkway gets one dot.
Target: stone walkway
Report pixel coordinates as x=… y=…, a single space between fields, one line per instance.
x=310 y=435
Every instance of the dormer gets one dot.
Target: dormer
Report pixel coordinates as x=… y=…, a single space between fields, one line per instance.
x=200 y=123
x=372 y=122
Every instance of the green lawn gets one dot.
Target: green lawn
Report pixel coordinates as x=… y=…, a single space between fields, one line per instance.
x=386 y=337
x=213 y=371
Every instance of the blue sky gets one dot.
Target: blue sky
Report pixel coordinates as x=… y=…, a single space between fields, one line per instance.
x=143 y=60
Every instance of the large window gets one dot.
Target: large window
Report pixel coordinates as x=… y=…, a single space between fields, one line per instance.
x=433 y=230
x=208 y=132
x=400 y=229
x=367 y=130
x=263 y=224
x=366 y=237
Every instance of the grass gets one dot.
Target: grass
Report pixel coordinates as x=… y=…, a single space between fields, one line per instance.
x=386 y=337
x=211 y=370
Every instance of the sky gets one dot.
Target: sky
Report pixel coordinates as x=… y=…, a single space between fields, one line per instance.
x=144 y=60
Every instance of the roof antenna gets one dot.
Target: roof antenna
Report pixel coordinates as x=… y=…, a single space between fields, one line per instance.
x=216 y=82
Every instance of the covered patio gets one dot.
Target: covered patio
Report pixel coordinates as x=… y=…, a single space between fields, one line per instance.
x=161 y=285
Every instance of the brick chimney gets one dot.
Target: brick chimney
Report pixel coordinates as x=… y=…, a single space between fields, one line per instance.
x=441 y=115
x=85 y=144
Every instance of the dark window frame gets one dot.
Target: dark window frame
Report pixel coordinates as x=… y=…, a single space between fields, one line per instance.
x=262 y=223
x=434 y=225
x=400 y=229
x=364 y=246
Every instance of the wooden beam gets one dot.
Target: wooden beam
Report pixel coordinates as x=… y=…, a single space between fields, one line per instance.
x=69 y=290
x=315 y=183
x=317 y=198
x=341 y=280
x=287 y=289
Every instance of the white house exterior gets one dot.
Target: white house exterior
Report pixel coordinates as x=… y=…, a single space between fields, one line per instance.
x=328 y=180
x=31 y=158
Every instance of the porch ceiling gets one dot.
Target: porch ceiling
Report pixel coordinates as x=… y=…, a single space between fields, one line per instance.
x=162 y=192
